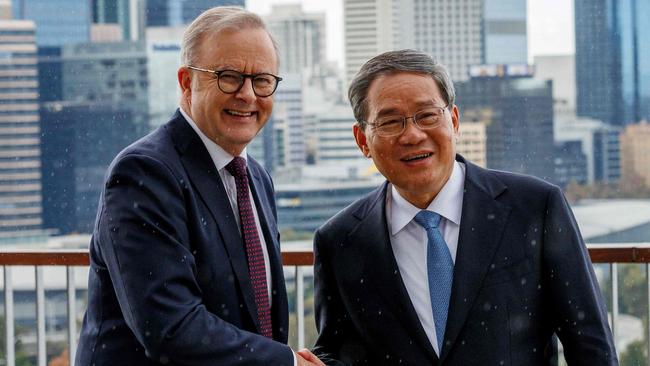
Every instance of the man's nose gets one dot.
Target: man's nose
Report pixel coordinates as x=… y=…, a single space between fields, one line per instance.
x=411 y=133
x=246 y=91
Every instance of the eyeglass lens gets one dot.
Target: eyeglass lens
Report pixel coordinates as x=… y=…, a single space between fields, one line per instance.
x=232 y=81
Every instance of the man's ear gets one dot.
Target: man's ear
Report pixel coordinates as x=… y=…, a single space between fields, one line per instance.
x=184 y=76
x=360 y=138
x=455 y=120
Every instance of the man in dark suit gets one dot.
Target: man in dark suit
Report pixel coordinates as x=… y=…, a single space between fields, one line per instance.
x=448 y=263
x=185 y=256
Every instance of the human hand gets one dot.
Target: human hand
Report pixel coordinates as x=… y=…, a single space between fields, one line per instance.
x=306 y=358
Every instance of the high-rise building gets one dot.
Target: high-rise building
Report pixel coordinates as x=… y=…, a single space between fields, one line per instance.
x=106 y=32
x=561 y=70
x=57 y=22
x=180 y=12
x=458 y=33
x=113 y=73
x=333 y=132
x=607 y=154
x=97 y=107
x=570 y=163
x=163 y=60
x=598 y=143
x=473 y=138
x=126 y=15
x=470 y=32
x=5 y=9
x=289 y=98
x=613 y=60
x=262 y=148
x=79 y=140
x=50 y=74
x=452 y=32
x=279 y=138
x=370 y=27
x=20 y=153
x=635 y=153
x=505 y=40
x=157 y=13
x=520 y=127
x=300 y=36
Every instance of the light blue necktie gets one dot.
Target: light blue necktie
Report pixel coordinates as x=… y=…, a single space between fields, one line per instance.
x=440 y=270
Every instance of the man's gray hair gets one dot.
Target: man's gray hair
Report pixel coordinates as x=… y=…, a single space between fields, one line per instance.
x=215 y=20
x=393 y=62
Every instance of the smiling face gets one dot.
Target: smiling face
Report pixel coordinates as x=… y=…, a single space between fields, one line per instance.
x=417 y=162
x=230 y=120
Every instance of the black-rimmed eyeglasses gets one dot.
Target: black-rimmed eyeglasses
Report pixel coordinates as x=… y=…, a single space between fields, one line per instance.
x=230 y=81
x=393 y=125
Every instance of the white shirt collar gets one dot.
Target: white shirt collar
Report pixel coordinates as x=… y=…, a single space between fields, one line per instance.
x=448 y=202
x=219 y=156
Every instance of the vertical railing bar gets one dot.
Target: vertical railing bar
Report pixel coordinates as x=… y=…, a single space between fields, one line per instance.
x=40 y=317
x=72 y=315
x=647 y=301
x=300 y=306
x=10 y=351
x=614 y=279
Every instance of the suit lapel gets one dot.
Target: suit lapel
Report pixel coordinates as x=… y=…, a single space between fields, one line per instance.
x=205 y=178
x=482 y=222
x=372 y=240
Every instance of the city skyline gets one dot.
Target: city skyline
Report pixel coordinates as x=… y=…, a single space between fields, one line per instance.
x=550 y=30
x=300 y=135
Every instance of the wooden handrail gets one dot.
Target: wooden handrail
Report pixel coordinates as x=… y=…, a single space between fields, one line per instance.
x=620 y=253
x=56 y=257
x=600 y=253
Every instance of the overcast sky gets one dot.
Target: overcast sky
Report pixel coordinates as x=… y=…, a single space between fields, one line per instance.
x=550 y=24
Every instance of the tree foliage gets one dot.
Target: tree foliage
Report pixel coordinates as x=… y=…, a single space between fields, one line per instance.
x=634 y=187
x=634 y=355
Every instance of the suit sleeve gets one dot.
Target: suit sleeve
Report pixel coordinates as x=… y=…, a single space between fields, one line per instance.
x=145 y=244
x=338 y=342
x=580 y=319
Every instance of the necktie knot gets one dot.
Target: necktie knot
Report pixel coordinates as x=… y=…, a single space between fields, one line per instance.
x=237 y=167
x=428 y=219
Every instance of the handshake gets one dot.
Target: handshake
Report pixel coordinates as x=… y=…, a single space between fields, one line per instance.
x=306 y=358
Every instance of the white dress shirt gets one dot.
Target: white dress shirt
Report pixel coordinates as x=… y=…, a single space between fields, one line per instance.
x=409 y=241
x=221 y=158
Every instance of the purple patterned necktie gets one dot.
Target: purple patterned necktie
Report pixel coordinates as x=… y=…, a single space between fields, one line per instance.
x=252 y=244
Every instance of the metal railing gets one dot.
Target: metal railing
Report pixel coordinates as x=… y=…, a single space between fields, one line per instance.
x=612 y=254
x=615 y=254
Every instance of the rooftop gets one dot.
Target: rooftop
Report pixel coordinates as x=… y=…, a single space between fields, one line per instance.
x=601 y=217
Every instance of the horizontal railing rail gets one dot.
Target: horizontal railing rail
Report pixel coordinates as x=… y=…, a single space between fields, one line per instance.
x=79 y=257
x=619 y=253
x=599 y=253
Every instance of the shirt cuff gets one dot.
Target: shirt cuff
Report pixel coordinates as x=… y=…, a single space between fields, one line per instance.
x=295 y=360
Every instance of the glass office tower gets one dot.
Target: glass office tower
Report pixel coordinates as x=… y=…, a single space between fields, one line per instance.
x=57 y=22
x=613 y=60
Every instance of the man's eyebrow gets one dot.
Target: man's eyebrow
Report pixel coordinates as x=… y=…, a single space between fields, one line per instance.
x=393 y=111
x=219 y=67
x=426 y=103
x=387 y=112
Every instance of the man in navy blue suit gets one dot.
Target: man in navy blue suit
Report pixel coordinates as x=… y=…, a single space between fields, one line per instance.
x=448 y=263
x=185 y=255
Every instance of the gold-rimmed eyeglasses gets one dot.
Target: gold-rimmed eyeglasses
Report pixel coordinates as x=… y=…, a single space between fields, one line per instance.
x=393 y=125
